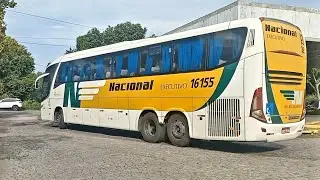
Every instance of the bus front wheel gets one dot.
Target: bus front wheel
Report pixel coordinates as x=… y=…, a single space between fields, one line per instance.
x=59 y=118
x=178 y=130
x=151 y=130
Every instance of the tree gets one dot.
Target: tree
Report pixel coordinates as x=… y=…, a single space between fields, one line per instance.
x=3 y=5
x=153 y=36
x=70 y=50
x=91 y=40
x=17 y=66
x=122 y=32
x=313 y=79
x=15 y=59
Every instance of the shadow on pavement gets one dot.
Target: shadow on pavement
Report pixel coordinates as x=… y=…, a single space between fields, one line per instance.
x=12 y=114
x=237 y=147
x=224 y=146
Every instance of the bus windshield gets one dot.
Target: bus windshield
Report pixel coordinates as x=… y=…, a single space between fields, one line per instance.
x=46 y=83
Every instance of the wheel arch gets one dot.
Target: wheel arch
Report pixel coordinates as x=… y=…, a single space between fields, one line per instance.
x=57 y=109
x=144 y=112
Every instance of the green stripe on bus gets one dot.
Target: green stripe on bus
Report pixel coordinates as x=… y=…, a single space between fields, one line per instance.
x=287 y=92
x=276 y=119
x=225 y=79
x=290 y=98
x=289 y=95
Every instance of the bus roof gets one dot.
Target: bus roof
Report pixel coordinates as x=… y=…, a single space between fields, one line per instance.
x=146 y=42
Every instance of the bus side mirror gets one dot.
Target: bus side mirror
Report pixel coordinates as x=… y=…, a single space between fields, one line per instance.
x=36 y=83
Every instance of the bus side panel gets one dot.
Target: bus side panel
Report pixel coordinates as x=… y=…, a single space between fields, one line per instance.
x=253 y=79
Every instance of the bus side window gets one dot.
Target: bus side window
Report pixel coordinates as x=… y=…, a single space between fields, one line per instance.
x=93 y=75
x=124 y=69
x=143 y=61
x=133 y=62
x=155 y=59
x=189 y=55
x=216 y=46
x=166 y=58
x=226 y=47
x=122 y=65
x=175 y=61
x=85 y=70
x=62 y=73
x=109 y=67
x=100 y=66
x=76 y=72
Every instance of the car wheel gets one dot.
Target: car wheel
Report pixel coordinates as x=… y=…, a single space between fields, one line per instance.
x=15 y=108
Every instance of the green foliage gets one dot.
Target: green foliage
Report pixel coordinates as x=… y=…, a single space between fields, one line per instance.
x=153 y=36
x=17 y=66
x=31 y=105
x=21 y=87
x=311 y=98
x=313 y=80
x=92 y=39
x=70 y=50
x=122 y=32
x=15 y=60
x=3 y=5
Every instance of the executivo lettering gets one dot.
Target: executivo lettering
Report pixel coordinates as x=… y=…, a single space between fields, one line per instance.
x=135 y=86
x=281 y=30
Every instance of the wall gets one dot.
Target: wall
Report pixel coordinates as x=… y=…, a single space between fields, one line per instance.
x=307 y=19
x=227 y=13
x=313 y=49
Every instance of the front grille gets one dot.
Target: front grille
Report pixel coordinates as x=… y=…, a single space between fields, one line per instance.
x=224 y=115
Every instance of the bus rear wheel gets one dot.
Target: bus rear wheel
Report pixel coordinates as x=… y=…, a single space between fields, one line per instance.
x=178 y=130
x=59 y=118
x=150 y=129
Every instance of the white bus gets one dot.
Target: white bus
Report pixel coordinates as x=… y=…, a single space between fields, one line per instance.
x=242 y=80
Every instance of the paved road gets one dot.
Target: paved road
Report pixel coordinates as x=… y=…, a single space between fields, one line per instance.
x=33 y=149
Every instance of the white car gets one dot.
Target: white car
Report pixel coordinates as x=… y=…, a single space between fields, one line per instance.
x=11 y=103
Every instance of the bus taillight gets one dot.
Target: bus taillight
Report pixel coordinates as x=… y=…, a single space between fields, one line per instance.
x=257 y=106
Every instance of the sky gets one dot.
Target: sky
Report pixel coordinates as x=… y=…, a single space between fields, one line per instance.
x=158 y=17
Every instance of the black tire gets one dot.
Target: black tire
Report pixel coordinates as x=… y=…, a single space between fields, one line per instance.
x=178 y=131
x=59 y=118
x=15 y=108
x=150 y=129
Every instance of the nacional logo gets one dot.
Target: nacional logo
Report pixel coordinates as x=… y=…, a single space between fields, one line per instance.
x=280 y=30
x=295 y=96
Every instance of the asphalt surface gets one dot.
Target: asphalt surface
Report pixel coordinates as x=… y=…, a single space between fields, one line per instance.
x=33 y=149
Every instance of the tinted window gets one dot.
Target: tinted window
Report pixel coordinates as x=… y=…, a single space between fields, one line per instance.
x=84 y=70
x=47 y=81
x=110 y=67
x=143 y=61
x=166 y=63
x=133 y=62
x=155 y=59
x=226 y=47
x=189 y=55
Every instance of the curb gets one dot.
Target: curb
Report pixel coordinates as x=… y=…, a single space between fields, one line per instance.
x=310 y=132
x=312 y=128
